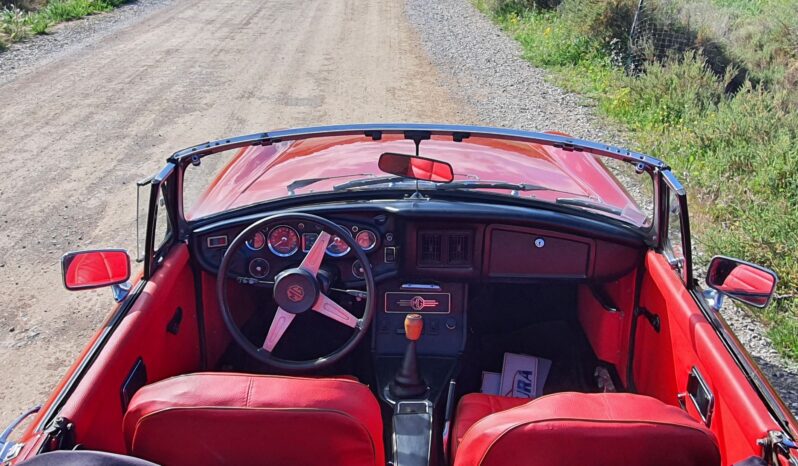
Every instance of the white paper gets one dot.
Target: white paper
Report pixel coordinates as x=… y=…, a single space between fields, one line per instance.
x=491 y=382
x=521 y=375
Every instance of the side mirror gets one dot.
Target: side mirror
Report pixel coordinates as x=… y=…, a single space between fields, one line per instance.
x=742 y=281
x=417 y=168
x=84 y=270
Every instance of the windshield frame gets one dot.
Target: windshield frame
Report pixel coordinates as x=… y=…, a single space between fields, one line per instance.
x=417 y=133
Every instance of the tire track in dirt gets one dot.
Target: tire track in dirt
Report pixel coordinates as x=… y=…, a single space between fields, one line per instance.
x=80 y=129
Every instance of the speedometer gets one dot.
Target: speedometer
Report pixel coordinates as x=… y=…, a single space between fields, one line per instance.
x=283 y=241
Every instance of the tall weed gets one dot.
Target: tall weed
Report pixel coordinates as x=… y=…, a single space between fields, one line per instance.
x=738 y=153
x=12 y=22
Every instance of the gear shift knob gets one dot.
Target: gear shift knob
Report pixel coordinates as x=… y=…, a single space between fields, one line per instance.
x=414 y=324
x=407 y=383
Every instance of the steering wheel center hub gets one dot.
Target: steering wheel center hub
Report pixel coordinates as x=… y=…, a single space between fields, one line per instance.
x=295 y=290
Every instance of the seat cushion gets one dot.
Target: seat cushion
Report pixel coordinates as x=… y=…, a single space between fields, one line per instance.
x=221 y=418
x=475 y=406
x=603 y=429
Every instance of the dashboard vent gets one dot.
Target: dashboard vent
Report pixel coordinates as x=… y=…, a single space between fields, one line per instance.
x=445 y=248
x=458 y=250
x=431 y=249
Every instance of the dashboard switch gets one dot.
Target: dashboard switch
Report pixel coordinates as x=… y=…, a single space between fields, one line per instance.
x=390 y=254
x=451 y=324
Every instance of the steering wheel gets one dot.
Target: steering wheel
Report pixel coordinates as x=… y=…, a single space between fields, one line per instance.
x=296 y=291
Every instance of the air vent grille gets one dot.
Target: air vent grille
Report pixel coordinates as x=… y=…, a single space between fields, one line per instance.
x=445 y=248
x=431 y=249
x=458 y=249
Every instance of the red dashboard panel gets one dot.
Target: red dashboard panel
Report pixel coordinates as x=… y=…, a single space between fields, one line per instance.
x=527 y=253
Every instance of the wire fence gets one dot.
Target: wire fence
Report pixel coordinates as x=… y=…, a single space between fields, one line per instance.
x=658 y=32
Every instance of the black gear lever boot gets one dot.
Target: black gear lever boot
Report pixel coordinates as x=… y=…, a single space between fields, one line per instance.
x=407 y=383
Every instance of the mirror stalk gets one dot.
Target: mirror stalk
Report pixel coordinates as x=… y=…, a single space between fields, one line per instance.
x=714 y=299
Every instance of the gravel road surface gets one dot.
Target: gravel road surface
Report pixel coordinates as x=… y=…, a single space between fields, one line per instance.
x=102 y=102
x=484 y=67
x=89 y=118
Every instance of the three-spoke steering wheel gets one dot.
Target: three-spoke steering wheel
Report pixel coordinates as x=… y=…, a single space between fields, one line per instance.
x=298 y=290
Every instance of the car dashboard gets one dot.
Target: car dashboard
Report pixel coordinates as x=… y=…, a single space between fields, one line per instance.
x=426 y=254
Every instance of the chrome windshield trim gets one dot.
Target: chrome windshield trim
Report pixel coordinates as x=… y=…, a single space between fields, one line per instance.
x=457 y=132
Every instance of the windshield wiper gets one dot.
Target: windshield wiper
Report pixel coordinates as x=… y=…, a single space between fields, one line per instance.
x=370 y=182
x=470 y=184
x=588 y=204
x=299 y=184
x=465 y=184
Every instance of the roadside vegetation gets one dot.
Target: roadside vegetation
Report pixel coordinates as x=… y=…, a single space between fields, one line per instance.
x=720 y=105
x=26 y=18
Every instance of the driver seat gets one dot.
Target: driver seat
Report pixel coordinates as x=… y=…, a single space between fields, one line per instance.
x=241 y=419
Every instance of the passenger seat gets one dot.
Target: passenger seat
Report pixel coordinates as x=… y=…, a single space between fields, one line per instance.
x=570 y=429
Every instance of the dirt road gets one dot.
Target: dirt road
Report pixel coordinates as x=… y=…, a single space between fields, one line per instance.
x=78 y=132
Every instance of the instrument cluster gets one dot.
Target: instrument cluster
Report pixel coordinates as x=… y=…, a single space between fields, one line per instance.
x=283 y=245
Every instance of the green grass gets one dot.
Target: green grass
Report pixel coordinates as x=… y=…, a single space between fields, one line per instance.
x=737 y=154
x=17 y=24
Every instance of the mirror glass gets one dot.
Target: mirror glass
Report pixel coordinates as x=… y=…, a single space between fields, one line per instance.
x=92 y=269
x=742 y=281
x=417 y=168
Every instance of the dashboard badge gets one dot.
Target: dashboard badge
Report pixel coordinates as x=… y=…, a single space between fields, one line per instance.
x=296 y=293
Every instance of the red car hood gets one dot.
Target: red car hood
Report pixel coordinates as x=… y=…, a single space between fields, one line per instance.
x=261 y=173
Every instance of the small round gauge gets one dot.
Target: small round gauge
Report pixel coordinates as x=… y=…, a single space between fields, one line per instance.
x=259 y=267
x=337 y=247
x=366 y=239
x=283 y=241
x=357 y=270
x=257 y=241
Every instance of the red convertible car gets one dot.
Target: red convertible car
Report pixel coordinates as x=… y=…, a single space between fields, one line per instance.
x=412 y=295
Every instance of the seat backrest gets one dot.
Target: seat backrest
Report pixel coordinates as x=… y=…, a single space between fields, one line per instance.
x=238 y=419
x=607 y=429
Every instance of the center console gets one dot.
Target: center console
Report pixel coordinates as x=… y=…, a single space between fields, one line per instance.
x=441 y=304
x=432 y=355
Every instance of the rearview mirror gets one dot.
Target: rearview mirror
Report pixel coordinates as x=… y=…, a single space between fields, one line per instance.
x=417 y=168
x=84 y=270
x=742 y=281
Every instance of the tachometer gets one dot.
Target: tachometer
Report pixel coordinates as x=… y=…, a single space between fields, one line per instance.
x=283 y=241
x=257 y=241
x=337 y=247
x=366 y=239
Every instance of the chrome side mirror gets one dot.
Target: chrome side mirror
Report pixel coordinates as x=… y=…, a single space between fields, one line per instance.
x=743 y=281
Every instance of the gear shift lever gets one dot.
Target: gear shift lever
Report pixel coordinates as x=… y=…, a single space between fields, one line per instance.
x=407 y=383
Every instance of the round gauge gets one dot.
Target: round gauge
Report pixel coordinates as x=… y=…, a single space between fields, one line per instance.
x=366 y=239
x=337 y=247
x=283 y=241
x=259 y=267
x=257 y=241
x=357 y=270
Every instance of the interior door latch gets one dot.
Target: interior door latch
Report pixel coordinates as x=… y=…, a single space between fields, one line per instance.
x=652 y=318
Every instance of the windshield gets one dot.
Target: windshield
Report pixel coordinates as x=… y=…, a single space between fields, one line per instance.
x=256 y=174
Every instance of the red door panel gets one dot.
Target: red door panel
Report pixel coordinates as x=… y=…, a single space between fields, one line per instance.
x=663 y=362
x=95 y=407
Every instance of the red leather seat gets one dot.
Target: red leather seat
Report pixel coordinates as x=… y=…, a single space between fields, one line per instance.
x=240 y=419
x=475 y=406
x=569 y=429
